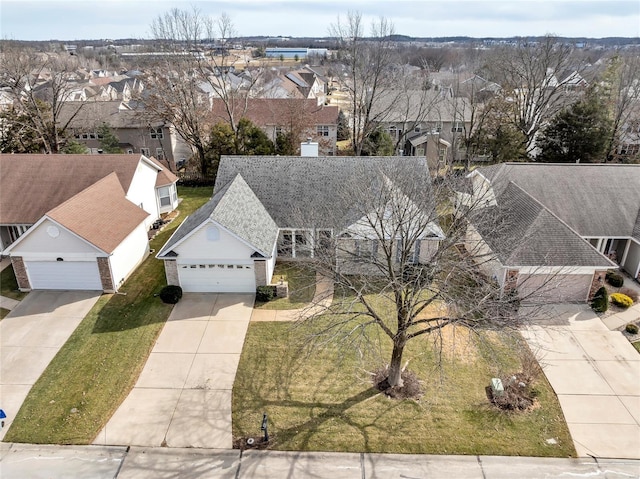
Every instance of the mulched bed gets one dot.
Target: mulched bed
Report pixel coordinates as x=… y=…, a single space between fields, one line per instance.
x=410 y=389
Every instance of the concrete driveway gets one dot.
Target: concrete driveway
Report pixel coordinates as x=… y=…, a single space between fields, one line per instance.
x=31 y=335
x=595 y=373
x=183 y=395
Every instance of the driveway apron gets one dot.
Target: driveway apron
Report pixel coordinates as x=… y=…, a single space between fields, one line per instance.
x=30 y=336
x=595 y=373
x=183 y=395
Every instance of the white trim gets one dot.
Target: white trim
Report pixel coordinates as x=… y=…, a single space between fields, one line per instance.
x=568 y=270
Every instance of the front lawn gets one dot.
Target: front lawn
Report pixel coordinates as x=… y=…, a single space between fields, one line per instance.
x=302 y=286
x=9 y=285
x=4 y=312
x=97 y=367
x=326 y=401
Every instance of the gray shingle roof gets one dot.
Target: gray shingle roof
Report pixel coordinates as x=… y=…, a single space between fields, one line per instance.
x=522 y=232
x=306 y=192
x=235 y=207
x=594 y=199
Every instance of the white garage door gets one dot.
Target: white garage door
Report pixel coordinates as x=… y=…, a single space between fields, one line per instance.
x=82 y=275
x=554 y=288
x=217 y=278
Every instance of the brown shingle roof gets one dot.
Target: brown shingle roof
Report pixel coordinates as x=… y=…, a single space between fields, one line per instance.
x=30 y=185
x=279 y=111
x=165 y=176
x=100 y=214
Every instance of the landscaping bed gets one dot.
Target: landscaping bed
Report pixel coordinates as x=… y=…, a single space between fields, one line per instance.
x=302 y=286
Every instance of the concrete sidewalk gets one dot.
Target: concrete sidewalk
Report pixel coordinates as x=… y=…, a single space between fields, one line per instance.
x=19 y=461
x=8 y=303
x=595 y=373
x=183 y=395
x=31 y=335
x=322 y=299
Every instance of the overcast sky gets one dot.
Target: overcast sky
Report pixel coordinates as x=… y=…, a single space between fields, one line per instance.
x=86 y=19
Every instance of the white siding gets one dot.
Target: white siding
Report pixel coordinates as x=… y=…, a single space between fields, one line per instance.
x=198 y=248
x=129 y=254
x=40 y=244
x=142 y=191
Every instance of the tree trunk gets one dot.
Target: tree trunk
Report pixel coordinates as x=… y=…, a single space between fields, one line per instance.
x=395 y=366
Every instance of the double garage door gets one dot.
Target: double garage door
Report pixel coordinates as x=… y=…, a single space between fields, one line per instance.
x=554 y=289
x=217 y=278
x=80 y=275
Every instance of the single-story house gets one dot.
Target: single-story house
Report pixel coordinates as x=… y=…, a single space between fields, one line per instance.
x=562 y=226
x=270 y=207
x=80 y=221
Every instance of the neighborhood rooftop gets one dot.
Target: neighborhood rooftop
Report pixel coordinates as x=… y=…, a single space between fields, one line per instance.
x=577 y=192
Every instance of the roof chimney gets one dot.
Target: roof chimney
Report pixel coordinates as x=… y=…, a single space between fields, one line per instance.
x=309 y=148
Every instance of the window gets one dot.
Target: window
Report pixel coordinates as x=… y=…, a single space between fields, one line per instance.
x=15 y=231
x=417 y=129
x=457 y=126
x=442 y=152
x=145 y=151
x=279 y=130
x=366 y=249
x=393 y=131
x=213 y=233
x=323 y=130
x=159 y=154
x=129 y=151
x=156 y=133
x=630 y=149
x=436 y=127
x=167 y=195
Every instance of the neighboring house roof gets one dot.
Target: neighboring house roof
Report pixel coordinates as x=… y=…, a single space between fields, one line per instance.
x=236 y=208
x=279 y=111
x=100 y=214
x=420 y=105
x=114 y=113
x=595 y=200
x=307 y=191
x=522 y=232
x=30 y=185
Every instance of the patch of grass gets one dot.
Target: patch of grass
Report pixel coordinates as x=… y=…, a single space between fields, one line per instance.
x=4 y=312
x=98 y=366
x=302 y=286
x=325 y=401
x=9 y=285
x=636 y=345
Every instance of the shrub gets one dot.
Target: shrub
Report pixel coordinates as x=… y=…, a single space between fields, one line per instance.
x=265 y=294
x=600 y=301
x=632 y=293
x=614 y=279
x=631 y=328
x=171 y=294
x=621 y=300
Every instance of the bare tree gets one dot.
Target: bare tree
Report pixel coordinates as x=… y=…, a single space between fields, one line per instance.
x=621 y=90
x=39 y=85
x=368 y=60
x=192 y=73
x=537 y=78
x=404 y=242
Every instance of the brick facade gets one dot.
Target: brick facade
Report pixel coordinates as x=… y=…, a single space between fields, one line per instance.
x=260 y=271
x=510 y=281
x=597 y=282
x=105 y=275
x=171 y=272
x=21 y=273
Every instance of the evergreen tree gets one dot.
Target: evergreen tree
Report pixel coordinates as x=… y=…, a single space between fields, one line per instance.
x=344 y=133
x=109 y=142
x=578 y=133
x=285 y=144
